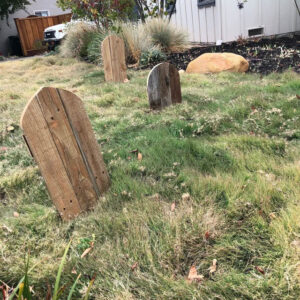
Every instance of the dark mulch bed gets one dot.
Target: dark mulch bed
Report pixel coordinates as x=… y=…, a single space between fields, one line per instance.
x=265 y=56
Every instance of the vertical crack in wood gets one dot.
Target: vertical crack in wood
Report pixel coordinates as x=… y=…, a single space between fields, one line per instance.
x=111 y=59
x=28 y=146
x=85 y=160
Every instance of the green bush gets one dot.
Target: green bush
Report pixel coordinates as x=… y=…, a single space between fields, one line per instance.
x=94 y=47
x=152 y=56
x=77 y=40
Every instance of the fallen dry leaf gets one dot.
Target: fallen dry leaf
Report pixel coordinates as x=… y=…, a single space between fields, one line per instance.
x=261 y=212
x=134 y=266
x=260 y=270
x=169 y=175
x=186 y=197
x=140 y=156
x=213 y=267
x=173 y=206
x=193 y=275
x=10 y=128
x=4 y=227
x=272 y=215
x=270 y=177
x=73 y=271
x=16 y=214
x=87 y=251
x=207 y=235
x=296 y=244
x=155 y=197
x=134 y=151
x=126 y=80
x=142 y=168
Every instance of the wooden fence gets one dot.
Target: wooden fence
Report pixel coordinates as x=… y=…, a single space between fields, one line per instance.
x=31 y=31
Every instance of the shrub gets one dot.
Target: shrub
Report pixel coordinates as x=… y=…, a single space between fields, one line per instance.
x=152 y=56
x=94 y=47
x=166 y=35
x=151 y=38
x=146 y=41
x=77 y=40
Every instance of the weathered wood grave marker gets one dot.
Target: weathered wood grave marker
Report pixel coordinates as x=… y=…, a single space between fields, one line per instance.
x=113 y=55
x=60 y=137
x=163 y=86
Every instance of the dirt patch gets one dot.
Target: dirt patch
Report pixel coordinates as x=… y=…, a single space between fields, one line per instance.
x=265 y=56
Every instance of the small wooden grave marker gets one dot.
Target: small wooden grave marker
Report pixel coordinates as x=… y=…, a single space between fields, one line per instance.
x=163 y=86
x=60 y=137
x=113 y=55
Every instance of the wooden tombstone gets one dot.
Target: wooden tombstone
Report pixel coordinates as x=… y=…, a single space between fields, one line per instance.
x=60 y=137
x=113 y=55
x=163 y=86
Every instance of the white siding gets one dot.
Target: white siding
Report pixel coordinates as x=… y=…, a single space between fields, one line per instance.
x=226 y=22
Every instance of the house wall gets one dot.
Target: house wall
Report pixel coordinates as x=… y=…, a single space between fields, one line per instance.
x=226 y=22
x=11 y=30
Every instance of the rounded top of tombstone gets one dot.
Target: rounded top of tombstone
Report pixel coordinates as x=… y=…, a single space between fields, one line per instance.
x=161 y=66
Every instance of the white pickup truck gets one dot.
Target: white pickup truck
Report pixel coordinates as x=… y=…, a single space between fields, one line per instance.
x=54 y=34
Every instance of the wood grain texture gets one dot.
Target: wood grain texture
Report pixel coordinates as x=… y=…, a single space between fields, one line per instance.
x=163 y=86
x=62 y=142
x=31 y=30
x=113 y=55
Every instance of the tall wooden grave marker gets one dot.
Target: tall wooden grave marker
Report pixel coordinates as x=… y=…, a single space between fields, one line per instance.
x=113 y=55
x=60 y=137
x=163 y=86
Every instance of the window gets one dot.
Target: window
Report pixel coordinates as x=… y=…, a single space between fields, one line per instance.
x=42 y=13
x=206 y=3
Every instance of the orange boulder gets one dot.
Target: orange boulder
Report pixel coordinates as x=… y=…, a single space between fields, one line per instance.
x=218 y=62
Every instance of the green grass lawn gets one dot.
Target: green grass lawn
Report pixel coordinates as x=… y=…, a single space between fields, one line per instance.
x=233 y=145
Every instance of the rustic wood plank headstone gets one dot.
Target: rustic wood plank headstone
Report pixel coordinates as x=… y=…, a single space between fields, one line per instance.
x=113 y=55
x=163 y=86
x=60 y=137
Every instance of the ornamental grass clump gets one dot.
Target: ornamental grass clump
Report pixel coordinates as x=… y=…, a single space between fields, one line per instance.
x=165 y=35
x=94 y=46
x=155 y=36
x=79 y=35
x=136 y=40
